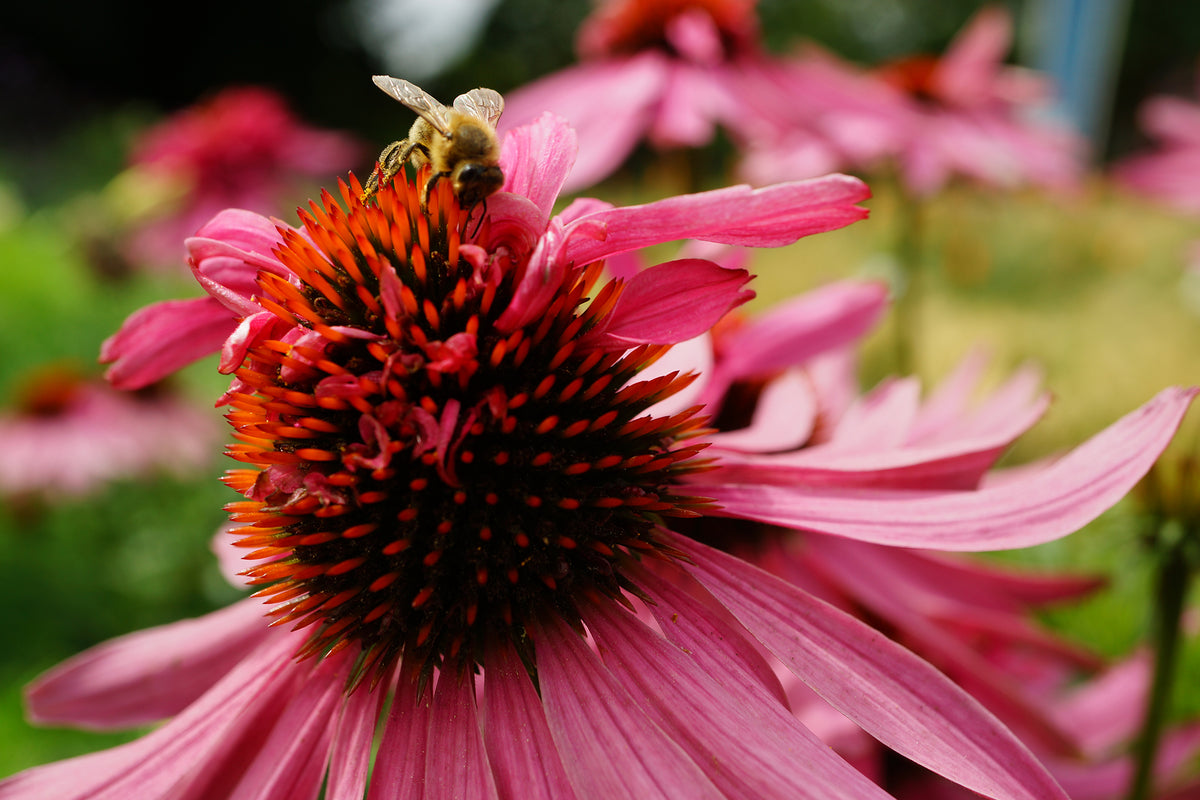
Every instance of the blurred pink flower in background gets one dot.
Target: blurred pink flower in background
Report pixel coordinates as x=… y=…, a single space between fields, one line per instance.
x=69 y=435
x=965 y=114
x=1169 y=171
x=244 y=148
x=667 y=72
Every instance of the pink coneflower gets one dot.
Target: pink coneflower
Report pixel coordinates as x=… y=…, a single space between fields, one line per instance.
x=667 y=72
x=965 y=114
x=464 y=495
x=1169 y=172
x=69 y=435
x=241 y=148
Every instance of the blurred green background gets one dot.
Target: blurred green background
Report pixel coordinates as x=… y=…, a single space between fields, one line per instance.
x=1093 y=289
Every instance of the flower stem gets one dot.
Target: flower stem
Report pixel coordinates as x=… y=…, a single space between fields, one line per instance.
x=909 y=246
x=1172 y=576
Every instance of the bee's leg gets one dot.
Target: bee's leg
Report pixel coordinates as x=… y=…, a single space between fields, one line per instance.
x=482 y=206
x=390 y=162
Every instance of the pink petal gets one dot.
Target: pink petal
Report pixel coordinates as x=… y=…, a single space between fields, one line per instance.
x=848 y=458
x=863 y=571
x=350 y=755
x=520 y=748
x=879 y=420
x=248 y=333
x=670 y=303
x=536 y=158
x=607 y=130
x=244 y=230
x=794 y=332
x=291 y=762
x=693 y=619
x=749 y=744
x=990 y=584
x=148 y=675
x=784 y=418
x=162 y=338
x=543 y=278
x=1173 y=120
x=769 y=217
x=608 y=745
x=1107 y=711
x=1044 y=506
x=691 y=356
x=455 y=762
x=894 y=695
x=966 y=72
x=399 y=772
x=199 y=754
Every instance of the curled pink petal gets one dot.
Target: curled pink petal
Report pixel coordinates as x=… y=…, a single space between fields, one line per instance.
x=163 y=338
x=770 y=217
x=148 y=675
x=1055 y=501
x=669 y=303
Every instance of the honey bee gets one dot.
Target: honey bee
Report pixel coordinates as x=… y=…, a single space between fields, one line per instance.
x=460 y=142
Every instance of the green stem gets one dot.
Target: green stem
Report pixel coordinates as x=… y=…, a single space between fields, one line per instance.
x=909 y=241
x=1172 y=575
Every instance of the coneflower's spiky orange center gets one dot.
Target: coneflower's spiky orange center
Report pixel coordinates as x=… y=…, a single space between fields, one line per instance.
x=421 y=480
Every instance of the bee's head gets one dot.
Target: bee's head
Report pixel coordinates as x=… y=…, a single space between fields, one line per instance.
x=475 y=181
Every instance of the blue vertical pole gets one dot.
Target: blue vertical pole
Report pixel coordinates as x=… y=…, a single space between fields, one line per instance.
x=1079 y=44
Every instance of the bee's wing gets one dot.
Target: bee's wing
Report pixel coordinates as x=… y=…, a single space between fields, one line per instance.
x=484 y=104
x=417 y=99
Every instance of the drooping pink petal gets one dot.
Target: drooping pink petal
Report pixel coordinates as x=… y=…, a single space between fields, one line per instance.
x=749 y=746
x=945 y=414
x=399 y=772
x=148 y=675
x=738 y=215
x=192 y=757
x=521 y=751
x=863 y=571
x=1050 y=503
x=350 y=754
x=693 y=619
x=988 y=584
x=894 y=695
x=670 y=303
x=291 y=761
x=694 y=100
x=456 y=764
x=596 y=725
x=162 y=338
